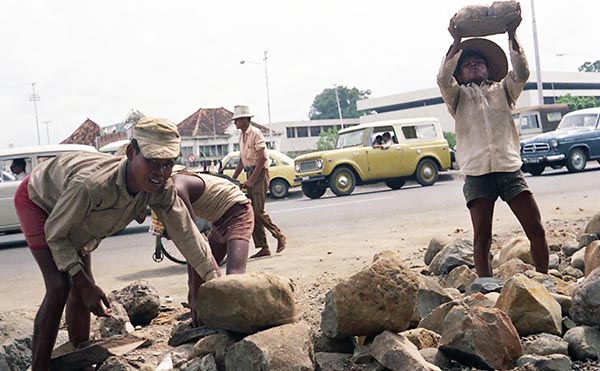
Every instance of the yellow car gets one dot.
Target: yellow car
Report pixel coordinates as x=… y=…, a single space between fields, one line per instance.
x=416 y=149
x=281 y=171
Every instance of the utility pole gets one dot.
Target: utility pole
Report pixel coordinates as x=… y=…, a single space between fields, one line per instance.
x=538 y=69
x=337 y=99
x=35 y=98
x=265 y=57
x=47 y=130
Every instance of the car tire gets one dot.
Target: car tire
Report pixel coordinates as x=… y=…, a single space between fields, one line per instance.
x=342 y=181
x=395 y=183
x=279 y=188
x=576 y=160
x=313 y=190
x=427 y=172
x=536 y=170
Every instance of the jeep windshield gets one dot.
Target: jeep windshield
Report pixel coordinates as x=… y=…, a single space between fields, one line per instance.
x=582 y=121
x=350 y=139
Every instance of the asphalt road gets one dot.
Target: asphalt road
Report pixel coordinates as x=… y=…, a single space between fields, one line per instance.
x=335 y=234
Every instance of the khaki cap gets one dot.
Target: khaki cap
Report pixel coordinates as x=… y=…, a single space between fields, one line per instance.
x=157 y=138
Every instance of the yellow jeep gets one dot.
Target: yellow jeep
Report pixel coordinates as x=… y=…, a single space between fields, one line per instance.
x=417 y=149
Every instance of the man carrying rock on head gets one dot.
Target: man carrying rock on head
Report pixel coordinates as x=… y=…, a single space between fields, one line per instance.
x=255 y=162
x=68 y=204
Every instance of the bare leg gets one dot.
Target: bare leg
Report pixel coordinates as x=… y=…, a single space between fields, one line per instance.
x=47 y=319
x=482 y=213
x=77 y=315
x=237 y=256
x=526 y=210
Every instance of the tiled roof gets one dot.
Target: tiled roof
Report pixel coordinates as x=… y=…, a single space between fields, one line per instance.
x=209 y=122
x=86 y=133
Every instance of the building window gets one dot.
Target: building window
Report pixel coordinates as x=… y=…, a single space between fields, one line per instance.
x=290 y=132
x=213 y=151
x=236 y=146
x=315 y=131
x=302 y=131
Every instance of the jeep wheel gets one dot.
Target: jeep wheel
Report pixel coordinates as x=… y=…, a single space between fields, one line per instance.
x=535 y=170
x=576 y=160
x=427 y=172
x=395 y=183
x=342 y=181
x=313 y=190
x=278 y=188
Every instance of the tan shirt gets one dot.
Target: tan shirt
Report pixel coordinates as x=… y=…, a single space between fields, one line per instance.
x=487 y=139
x=219 y=196
x=251 y=141
x=86 y=198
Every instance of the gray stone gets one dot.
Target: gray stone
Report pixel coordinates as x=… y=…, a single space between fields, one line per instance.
x=381 y=296
x=283 y=348
x=553 y=261
x=183 y=333
x=578 y=260
x=140 y=300
x=568 y=324
x=397 y=353
x=15 y=354
x=553 y=362
x=362 y=355
x=585 y=308
x=435 y=246
x=518 y=247
x=593 y=225
x=586 y=239
x=216 y=345
x=332 y=361
x=181 y=354
x=573 y=272
x=429 y=296
x=205 y=363
x=564 y=301
x=584 y=342
x=116 y=324
x=456 y=253
x=246 y=303
x=485 y=285
x=480 y=300
x=436 y=357
x=326 y=344
x=512 y=267
x=422 y=338
x=435 y=320
x=115 y=363
x=544 y=345
x=459 y=278
x=569 y=249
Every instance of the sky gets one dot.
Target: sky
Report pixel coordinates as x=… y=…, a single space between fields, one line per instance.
x=99 y=59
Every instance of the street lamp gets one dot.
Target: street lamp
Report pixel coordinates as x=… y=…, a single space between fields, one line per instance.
x=538 y=71
x=35 y=98
x=265 y=57
x=337 y=99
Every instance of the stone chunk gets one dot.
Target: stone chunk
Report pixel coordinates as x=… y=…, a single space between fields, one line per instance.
x=326 y=344
x=486 y=285
x=512 y=267
x=436 y=357
x=116 y=364
x=332 y=361
x=435 y=320
x=382 y=296
x=592 y=257
x=117 y=324
x=216 y=345
x=518 y=247
x=544 y=345
x=593 y=225
x=456 y=253
x=422 y=338
x=397 y=353
x=459 y=278
x=585 y=306
x=429 y=296
x=584 y=342
x=569 y=249
x=140 y=300
x=530 y=306
x=183 y=333
x=246 y=303
x=553 y=362
x=283 y=348
x=578 y=260
x=435 y=246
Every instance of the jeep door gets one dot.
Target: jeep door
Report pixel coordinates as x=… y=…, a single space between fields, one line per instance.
x=385 y=163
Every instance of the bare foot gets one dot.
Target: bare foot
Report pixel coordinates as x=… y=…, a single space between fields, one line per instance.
x=281 y=243
x=262 y=252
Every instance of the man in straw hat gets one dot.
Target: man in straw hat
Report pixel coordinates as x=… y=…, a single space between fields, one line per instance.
x=479 y=94
x=68 y=204
x=255 y=162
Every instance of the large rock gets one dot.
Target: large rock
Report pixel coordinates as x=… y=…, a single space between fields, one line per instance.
x=485 y=285
x=435 y=246
x=512 y=267
x=459 y=278
x=578 y=260
x=481 y=300
x=429 y=296
x=552 y=284
x=474 y=336
x=437 y=357
x=593 y=226
x=518 y=247
x=530 y=306
x=215 y=345
x=592 y=257
x=380 y=297
x=435 y=320
x=422 y=338
x=456 y=253
x=246 y=303
x=585 y=307
x=584 y=342
x=140 y=300
x=332 y=361
x=544 y=345
x=283 y=348
x=397 y=353
x=117 y=324
x=553 y=362
x=15 y=355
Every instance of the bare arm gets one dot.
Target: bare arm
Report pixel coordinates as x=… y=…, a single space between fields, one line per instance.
x=511 y=30
x=238 y=168
x=456 y=36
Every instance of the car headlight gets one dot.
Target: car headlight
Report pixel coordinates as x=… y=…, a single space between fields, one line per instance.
x=319 y=164
x=554 y=143
x=297 y=167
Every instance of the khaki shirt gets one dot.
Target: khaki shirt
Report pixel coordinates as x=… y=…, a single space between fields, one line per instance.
x=251 y=141
x=487 y=139
x=86 y=198
x=219 y=196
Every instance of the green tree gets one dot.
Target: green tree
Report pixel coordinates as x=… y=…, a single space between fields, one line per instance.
x=327 y=139
x=451 y=138
x=576 y=103
x=590 y=67
x=324 y=105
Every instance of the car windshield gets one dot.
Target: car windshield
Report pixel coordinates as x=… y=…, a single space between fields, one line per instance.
x=285 y=159
x=579 y=121
x=350 y=139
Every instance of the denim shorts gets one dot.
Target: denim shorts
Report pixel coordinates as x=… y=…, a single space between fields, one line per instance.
x=492 y=185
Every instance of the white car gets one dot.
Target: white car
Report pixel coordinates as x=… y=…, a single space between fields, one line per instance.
x=33 y=156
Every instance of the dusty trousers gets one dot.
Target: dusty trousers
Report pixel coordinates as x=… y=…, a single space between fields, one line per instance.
x=258 y=195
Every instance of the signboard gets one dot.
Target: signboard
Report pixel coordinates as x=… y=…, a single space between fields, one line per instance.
x=191 y=157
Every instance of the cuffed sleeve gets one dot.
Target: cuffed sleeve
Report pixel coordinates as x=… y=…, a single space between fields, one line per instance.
x=69 y=210
x=517 y=77
x=447 y=83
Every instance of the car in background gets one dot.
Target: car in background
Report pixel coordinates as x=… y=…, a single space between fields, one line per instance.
x=419 y=150
x=575 y=141
x=33 y=156
x=281 y=171
x=113 y=148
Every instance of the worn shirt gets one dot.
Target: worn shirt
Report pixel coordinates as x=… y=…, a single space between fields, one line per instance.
x=487 y=139
x=86 y=198
x=219 y=196
x=251 y=141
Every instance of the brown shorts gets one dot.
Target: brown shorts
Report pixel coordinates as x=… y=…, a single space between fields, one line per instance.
x=236 y=224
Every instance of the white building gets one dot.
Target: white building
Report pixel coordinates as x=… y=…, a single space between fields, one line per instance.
x=428 y=102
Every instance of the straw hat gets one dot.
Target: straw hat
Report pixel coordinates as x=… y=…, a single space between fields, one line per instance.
x=497 y=64
x=240 y=112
